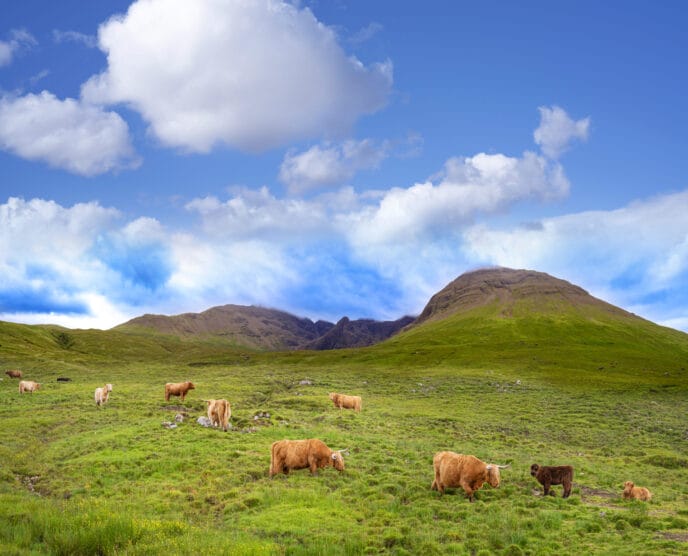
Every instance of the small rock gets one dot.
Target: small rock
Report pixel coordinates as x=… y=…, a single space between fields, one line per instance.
x=169 y=425
x=204 y=421
x=306 y=382
x=179 y=418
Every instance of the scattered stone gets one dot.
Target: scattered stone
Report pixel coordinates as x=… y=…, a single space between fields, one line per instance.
x=169 y=425
x=179 y=418
x=64 y=379
x=306 y=382
x=204 y=422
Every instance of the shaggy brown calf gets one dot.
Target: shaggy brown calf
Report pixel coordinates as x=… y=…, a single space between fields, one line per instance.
x=102 y=394
x=346 y=402
x=636 y=493
x=219 y=413
x=14 y=374
x=454 y=470
x=313 y=454
x=177 y=389
x=28 y=386
x=553 y=475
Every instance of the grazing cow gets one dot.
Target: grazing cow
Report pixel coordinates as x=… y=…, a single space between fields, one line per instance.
x=14 y=374
x=219 y=413
x=636 y=493
x=553 y=475
x=177 y=389
x=102 y=394
x=346 y=402
x=313 y=454
x=468 y=472
x=28 y=386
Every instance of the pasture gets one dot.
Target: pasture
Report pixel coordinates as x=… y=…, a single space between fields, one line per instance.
x=78 y=479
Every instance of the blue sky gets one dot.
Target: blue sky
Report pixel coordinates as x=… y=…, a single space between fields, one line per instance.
x=337 y=158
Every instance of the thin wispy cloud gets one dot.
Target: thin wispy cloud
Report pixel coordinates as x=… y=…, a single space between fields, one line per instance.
x=19 y=40
x=89 y=41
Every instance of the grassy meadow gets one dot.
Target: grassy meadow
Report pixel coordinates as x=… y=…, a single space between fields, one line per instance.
x=76 y=479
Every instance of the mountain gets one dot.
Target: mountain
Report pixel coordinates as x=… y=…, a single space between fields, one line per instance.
x=247 y=326
x=268 y=329
x=531 y=321
x=357 y=333
x=512 y=292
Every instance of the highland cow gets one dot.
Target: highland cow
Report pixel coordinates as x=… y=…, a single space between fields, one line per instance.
x=219 y=413
x=313 y=454
x=553 y=475
x=342 y=401
x=177 y=389
x=13 y=374
x=454 y=470
x=636 y=493
x=102 y=394
x=28 y=386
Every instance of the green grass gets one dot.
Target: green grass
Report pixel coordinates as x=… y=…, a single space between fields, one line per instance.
x=608 y=398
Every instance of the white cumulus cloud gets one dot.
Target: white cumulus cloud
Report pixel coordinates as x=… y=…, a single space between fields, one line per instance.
x=80 y=138
x=329 y=164
x=468 y=186
x=557 y=130
x=251 y=75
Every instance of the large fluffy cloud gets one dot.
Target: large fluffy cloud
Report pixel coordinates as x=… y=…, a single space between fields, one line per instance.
x=66 y=134
x=252 y=75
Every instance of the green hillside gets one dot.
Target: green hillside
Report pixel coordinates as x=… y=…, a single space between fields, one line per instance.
x=509 y=378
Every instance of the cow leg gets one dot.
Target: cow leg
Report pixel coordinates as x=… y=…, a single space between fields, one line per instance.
x=567 y=489
x=547 y=490
x=467 y=489
x=183 y=396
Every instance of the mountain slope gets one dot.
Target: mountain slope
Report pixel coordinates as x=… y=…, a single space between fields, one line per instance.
x=357 y=333
x=254 y=327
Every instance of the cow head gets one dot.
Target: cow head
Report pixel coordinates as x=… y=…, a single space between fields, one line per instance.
x=338 y=461
x=108 y=387
x=534 y=469
x=191 y=385
x=332 y=395
x=628 y=486
x=493 y=476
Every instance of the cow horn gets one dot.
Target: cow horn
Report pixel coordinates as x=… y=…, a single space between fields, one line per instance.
x=504 y=466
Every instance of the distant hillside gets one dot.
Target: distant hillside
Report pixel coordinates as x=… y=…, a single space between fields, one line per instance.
x=357 y=333
x=248 y=326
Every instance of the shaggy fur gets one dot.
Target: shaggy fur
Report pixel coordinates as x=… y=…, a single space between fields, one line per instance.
x=28 y=386
x=636 y=493
x=454 y=470
x=219 y=413
x=103 y=394
x=553 y=475
x=313 y=454
x=14 y=374
x=177 y=389
x=342 y=401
